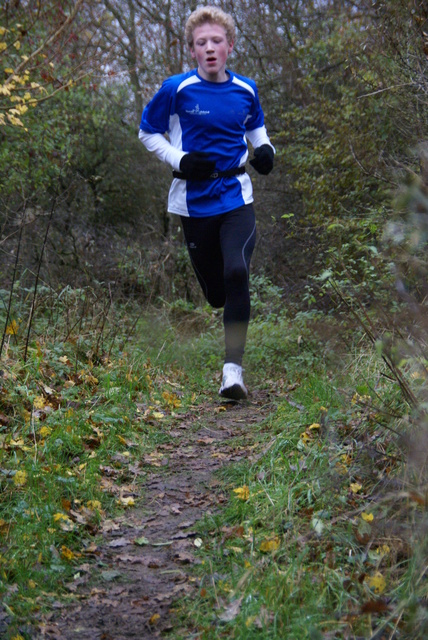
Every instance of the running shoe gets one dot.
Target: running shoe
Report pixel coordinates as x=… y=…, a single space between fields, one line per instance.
x=233 y=386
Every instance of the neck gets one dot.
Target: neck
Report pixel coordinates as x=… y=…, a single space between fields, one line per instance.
x=221 y=76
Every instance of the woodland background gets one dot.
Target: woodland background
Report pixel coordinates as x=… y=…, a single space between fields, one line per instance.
x=107 y=347
x=82 y=204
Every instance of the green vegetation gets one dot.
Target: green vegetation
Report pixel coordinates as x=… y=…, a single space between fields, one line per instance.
x=106 y=342
x=324 y=523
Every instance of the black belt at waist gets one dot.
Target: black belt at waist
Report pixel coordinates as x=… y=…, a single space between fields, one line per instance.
x=215 y=174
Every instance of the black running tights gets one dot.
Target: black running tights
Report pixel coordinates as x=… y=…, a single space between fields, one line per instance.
x=220 y=248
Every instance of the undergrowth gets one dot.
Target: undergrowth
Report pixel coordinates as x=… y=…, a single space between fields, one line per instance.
x=324 y=532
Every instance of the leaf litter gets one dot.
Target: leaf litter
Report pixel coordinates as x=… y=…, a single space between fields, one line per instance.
x=142 y=566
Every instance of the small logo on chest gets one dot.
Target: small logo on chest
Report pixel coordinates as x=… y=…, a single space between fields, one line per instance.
x=196 y=111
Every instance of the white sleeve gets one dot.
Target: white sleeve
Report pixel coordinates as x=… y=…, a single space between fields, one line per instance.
x=259 y=136
x=162 y=149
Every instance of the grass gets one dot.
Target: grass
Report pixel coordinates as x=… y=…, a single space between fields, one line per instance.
x=75 y=420
x=316 y=541
x=323 y=535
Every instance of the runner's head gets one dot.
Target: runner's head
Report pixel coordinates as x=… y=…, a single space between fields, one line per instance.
x=210 y=15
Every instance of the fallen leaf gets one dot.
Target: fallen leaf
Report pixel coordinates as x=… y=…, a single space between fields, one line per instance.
x=39 y=402
x=154 y=619
x=120 y=542
x=271 y=544
x=126 y=502
x=67 y=553
x=355 y=487
x=376 y=582
x=20 y=478
x=374 y=606
x=243 y=493
x=12 y=328
x=143 y=541
x=231 y=611
x=367 y=517
x=94 y=505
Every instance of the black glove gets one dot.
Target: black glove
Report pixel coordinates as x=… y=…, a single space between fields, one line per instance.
x=263 y=159
x=196 y=166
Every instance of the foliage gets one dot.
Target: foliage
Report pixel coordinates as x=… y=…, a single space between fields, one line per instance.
x=312 y=542
x=38 y=54
x=74 y=420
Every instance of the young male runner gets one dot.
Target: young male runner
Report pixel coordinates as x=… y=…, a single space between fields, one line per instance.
x=209 y=113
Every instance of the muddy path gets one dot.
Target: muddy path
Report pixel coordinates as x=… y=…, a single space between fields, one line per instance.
x=129 y=584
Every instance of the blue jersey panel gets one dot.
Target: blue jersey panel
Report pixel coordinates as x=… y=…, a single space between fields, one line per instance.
x=212 y=117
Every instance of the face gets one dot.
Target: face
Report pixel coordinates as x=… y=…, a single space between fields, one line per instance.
x=211 y=49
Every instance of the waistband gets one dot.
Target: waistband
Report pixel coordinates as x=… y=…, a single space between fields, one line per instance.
x=216 y=174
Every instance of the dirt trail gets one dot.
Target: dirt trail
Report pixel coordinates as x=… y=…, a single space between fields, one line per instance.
x=130 y=589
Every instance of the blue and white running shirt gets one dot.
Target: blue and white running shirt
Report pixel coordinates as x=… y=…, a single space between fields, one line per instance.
x=214 y=117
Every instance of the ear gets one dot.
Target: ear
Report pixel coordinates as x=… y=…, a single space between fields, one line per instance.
x=230 y=47
x=192 y=51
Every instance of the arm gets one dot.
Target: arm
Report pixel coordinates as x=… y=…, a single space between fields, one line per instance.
x=259 y=136
x=159 y=145
x=264 y=151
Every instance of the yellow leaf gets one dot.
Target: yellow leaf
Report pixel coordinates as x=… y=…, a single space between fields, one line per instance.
x=62 y=518
x=18 y=637
x=17 y=45
x=384 y=550
x=377 y=582
x=20 y=478
x=367 y=517
x=14 y=120
x=12 y=328
x=32 y=584
x=315 y=425
x=171 y=399
x=355 y=487
x=127 y=502
x=39 y=402
x=45 y=431
x=154 y=619
x=247 y=564
x=271 y=544
x=158 y=415
x=67 y=553
x=243 y=493
x=94 y=505
x=3 y=46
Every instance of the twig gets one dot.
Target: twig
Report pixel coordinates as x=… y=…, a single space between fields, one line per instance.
x=39 y=266
x=394 y=86
x=15 y=269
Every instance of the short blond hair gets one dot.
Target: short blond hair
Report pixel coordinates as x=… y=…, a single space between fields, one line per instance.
x=213 y=15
